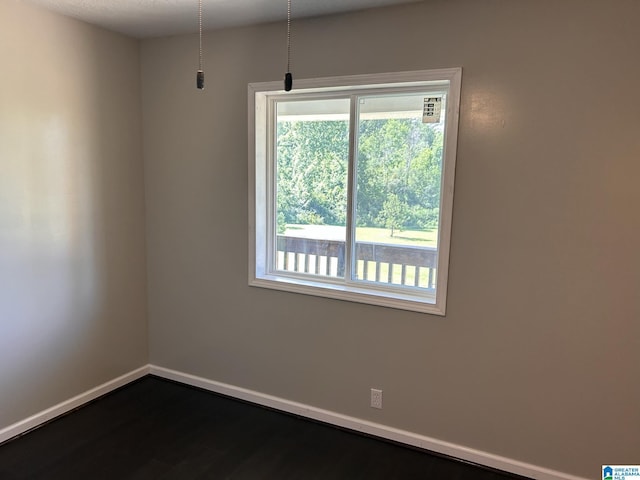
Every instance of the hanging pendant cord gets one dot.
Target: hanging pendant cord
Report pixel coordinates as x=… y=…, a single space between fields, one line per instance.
x=288 y=78
x=288 y=35
x=200 y=32
x=200 y=74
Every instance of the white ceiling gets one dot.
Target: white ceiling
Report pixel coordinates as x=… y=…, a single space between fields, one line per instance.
x=153 y=18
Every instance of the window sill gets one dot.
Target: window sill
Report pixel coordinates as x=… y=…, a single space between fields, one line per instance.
x=350 y=293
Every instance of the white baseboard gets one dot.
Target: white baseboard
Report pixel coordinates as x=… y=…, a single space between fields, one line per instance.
x=308 y=411
x=22 y=426
x=365 y=426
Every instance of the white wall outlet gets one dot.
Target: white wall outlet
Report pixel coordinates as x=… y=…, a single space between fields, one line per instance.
x=376 y=398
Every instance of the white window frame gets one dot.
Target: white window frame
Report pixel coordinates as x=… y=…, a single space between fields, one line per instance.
x=262 y=197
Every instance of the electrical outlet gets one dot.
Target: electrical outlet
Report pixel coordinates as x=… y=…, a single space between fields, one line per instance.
x=376 y=398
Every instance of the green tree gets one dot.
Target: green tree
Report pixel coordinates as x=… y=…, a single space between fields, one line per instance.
x=312 y=171
x=394 y=213
x=400 y=157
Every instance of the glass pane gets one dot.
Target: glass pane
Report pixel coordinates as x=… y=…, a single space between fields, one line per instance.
x=312 y=155
x=398 y=178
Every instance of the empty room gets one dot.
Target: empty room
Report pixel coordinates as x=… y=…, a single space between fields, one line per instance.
x=360 y=238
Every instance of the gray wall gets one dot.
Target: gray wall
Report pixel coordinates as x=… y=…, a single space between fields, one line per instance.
x=538 y=358
x=72 y=258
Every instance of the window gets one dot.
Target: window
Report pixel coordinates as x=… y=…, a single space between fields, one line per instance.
x=351 y=187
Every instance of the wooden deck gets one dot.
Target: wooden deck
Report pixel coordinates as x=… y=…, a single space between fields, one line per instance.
x=376 y=262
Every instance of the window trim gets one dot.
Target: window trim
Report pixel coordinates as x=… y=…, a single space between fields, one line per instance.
x=260 y=138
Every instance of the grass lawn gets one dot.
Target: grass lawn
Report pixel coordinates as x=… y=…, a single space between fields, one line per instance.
x=422 y=238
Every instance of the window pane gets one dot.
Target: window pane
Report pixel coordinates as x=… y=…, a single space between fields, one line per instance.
x=398 y=178
x=312 y=154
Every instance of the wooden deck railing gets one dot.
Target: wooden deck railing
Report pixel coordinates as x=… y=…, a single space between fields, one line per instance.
x=378 y=262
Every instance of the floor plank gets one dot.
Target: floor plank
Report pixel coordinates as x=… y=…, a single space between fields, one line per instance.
x=157 y=429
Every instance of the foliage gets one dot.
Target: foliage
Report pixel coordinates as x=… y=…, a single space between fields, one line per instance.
x=397 y=181
x=393 y=213
x=280 y=223
x=312 y=171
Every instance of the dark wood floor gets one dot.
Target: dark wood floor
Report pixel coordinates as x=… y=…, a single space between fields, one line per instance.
x=156 y=429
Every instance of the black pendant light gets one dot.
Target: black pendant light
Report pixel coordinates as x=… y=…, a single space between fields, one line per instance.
x=288 y=78
x=200 y=74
